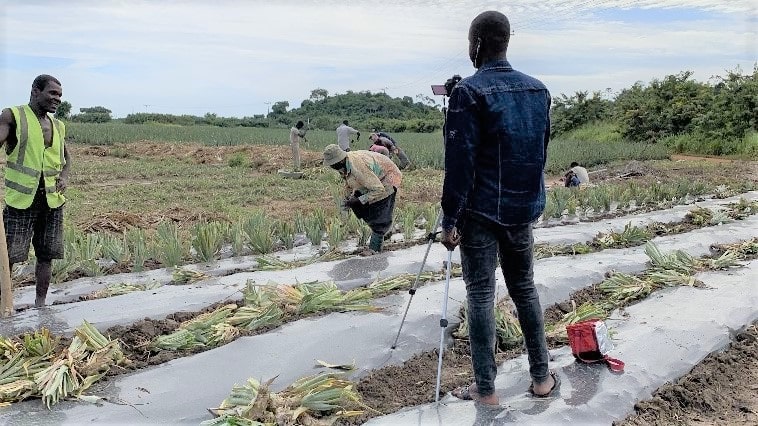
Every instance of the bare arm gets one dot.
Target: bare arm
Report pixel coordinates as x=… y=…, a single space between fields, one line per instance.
x=67 y=166
x=7 y=123
x=62 y=182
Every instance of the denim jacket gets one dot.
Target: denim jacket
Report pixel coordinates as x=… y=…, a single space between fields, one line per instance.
x=496 y=136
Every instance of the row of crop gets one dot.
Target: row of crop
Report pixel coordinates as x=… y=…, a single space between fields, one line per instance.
x=676 y=268
x=632 y=236
x=630 y=196
x=344 y=403
x=265 y=306
x=99 y=253
x=96 y=254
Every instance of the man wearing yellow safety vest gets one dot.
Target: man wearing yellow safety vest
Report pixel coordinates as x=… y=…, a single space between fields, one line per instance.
x=36 y=172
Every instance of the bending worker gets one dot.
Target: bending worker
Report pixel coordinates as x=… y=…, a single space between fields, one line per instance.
x=371 y=181
x=391 y=145
x=35 y=179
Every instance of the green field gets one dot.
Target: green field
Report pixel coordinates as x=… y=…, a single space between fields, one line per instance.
x=592 y=146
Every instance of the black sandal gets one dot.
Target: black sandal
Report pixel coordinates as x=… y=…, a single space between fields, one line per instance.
x=552 y=391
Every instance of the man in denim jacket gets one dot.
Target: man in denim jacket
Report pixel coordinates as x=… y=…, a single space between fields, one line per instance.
x=496 y=138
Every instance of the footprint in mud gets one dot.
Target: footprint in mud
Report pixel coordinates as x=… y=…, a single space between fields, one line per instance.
x=360 y=267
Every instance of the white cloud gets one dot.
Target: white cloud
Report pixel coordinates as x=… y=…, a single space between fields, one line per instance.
x=233 y=56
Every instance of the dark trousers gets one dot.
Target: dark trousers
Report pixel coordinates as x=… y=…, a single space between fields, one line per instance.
x=481 y=244
x=377 y=215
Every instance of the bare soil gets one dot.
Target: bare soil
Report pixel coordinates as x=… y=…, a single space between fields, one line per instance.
x=120 y=221
x=262 y=158
x=721 y=390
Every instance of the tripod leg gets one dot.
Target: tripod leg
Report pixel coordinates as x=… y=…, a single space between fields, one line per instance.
x=443 y=326
x=412 y=290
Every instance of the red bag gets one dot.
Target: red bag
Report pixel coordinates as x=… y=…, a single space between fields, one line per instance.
x=590 y=343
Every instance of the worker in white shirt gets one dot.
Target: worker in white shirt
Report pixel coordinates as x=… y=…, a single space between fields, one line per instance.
x=343 y=136
x=577 y=175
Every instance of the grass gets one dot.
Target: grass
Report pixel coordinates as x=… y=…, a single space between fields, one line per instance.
x=591 y=145
x=745 y=148
x=153 y=186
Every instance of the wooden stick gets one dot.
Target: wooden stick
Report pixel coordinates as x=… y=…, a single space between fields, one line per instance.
x=6 y=297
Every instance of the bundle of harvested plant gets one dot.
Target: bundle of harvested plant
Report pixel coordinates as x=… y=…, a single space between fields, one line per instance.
x=317 y=297
x=508 y=332
x=507 y=326
x=254 y=317
x=86 y=360
x=273 y=263
x=631 y=236
x=321 y=399
x=181 y=339
x=729 y=259
x=623 y=288
x=386 y=285
x=403 y=281
x=198 y=331
x=669 y=277
x=17 y=376
x=586 y=311
x=677 y=260
x=182 y=276
x=118 y=290
x=61 y=378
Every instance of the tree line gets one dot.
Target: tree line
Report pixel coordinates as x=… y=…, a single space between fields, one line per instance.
x=711 y=117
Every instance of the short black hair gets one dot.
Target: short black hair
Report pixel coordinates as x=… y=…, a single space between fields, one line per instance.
x=574 y=164
x=43 y=80
x=494 y=28
x=344 y=122
x=300 y=124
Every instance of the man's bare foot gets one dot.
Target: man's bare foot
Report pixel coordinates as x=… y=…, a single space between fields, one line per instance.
x=470 y=393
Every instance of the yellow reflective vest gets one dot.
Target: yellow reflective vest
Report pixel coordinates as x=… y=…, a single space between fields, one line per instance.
x=30 y=158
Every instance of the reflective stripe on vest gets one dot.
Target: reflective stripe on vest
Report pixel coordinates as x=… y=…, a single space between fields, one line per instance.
x=18 y=187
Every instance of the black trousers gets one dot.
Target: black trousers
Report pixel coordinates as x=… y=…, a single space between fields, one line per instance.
x=377 y=215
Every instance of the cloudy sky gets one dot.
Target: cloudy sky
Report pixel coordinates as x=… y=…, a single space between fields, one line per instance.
x=233 y=57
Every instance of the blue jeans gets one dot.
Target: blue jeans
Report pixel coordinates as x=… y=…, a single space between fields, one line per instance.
x=481 y=243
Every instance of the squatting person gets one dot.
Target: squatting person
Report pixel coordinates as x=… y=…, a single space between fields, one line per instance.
x=371 y=181
x=496 y=140
x=36 y=174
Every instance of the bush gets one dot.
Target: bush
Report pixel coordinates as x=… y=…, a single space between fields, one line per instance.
x=569 y=113
x=701 y=144
x=237 y=160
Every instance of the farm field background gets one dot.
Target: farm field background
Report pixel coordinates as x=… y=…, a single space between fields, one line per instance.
x=212 y=172
x=152 y=195
x=142 y=184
